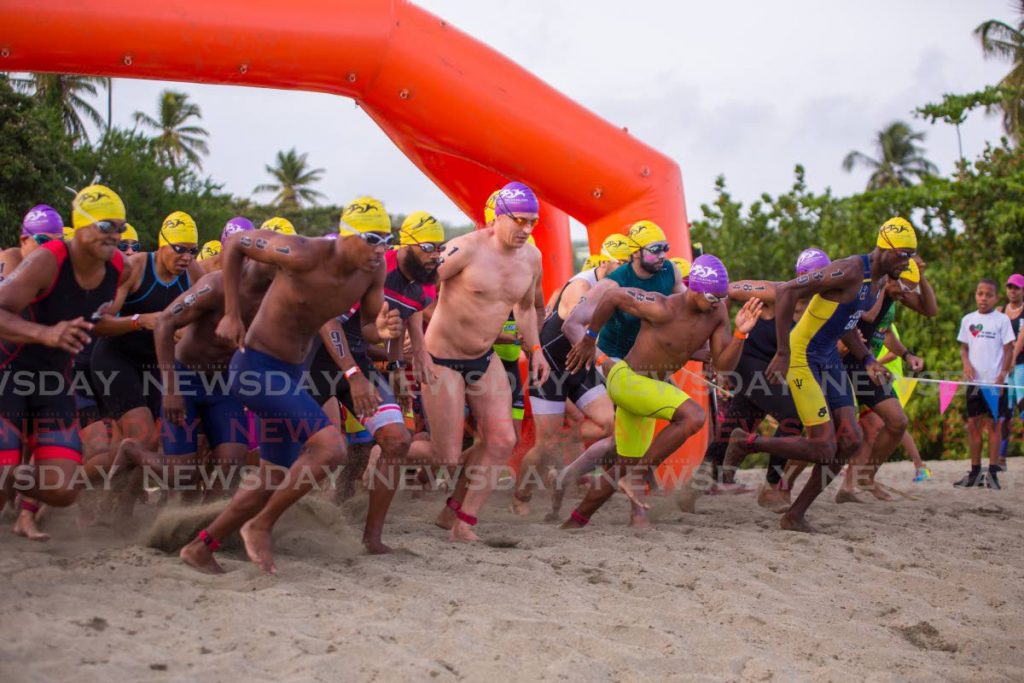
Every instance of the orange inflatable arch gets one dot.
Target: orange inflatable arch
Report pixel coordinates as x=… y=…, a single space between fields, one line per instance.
x=468 y=117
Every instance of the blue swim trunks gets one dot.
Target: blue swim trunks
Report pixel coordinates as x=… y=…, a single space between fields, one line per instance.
x=276 y=393
x=209 y=408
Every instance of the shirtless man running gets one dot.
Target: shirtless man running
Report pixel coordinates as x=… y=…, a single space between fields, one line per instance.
x=195 y=379
x=298 y=442
x=585 y=389
x=672 y=329
x=484 y=275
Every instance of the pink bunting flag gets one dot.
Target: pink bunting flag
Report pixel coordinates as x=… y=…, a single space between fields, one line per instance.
x=947 y=390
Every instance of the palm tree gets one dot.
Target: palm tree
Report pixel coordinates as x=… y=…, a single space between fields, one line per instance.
x=999 y=39
x=176 y=141
x=293 y=177
x=66 y=94
x=900 y=158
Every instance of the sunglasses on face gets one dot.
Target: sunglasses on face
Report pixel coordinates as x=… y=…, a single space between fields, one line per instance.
x=712 y=298
x=128 y=244
x=375 y=239
x=907 y=254
x=107 y=227
x=656 y=249
x=180 y=249
x=523 y=221
x=43 y=239
x=430 y=247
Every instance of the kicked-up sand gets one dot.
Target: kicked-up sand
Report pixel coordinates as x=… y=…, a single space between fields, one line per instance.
x=912 y=590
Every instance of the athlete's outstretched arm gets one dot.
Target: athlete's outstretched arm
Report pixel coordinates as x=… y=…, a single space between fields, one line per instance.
x=288 y=252
x=837 y=277
x=649 y=306
x=575 y=325
x=745 y=290
x=364 y=397
x=727 y=348
x=379 y=324
x=525 y=313
x=110 y=324
x=921 y=299
x=29 y=280
x=204 y=296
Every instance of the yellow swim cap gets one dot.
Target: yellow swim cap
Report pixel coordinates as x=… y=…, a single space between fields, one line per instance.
x=489 y=210
x=364 y=214
x=420 y=228
x=69 y=233
x=130 y=233
x=278 y=224
x=912 y=273
x=530 y=240
x=593 y=261
x=616 y=246
x=643 y=233
x=209 y=250
x=896 y=233
x=96 y=203
x=178 y=228
x=682 y=264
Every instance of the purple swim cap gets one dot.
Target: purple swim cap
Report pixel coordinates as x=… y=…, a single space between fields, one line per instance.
x=236 y=224
x=811 y=259
x=332 y=235
x=709 y=276
x=42 y=220
x=515 y=198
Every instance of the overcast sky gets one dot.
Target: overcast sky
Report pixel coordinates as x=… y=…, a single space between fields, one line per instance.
x=745 y=89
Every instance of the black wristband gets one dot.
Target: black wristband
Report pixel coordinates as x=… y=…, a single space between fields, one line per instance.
x=397 y=365
x=906 y=352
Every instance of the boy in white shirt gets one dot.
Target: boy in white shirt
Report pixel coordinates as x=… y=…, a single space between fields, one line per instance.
x=986 y=350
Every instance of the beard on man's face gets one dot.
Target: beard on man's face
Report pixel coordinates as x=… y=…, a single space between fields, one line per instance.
x=419 y=272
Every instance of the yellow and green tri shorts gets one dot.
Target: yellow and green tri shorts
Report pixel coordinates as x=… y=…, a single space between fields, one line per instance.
x=639 y=402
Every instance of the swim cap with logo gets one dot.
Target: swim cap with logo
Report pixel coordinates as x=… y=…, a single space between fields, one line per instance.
x=130 y=233
x=236 y=224
x=683 y=265
x=364 y=214
x=41 y=220
x=593 y=261
x=912 y=274
x=209 y=250
x=616 y=246
x=643 y=233
x=178 y=228
x=420 y=228
x=69 y=233
x=515 y=198
x=96 y=203
x=896 y=233
x=489 y=207
x=811 y=259
x=708 y=276
x=278 y=224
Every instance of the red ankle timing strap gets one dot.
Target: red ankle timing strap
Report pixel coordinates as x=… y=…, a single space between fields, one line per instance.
x=29 y=506
x=212 y=543
x=579 y=519
x=467 y=518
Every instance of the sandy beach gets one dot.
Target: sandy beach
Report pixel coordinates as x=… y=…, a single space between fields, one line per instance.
x=913 y=590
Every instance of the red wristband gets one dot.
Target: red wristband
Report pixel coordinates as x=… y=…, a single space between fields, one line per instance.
x=352 y=370
x=740 y=335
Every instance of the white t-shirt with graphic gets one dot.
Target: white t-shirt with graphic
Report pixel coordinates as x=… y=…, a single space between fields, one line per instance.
x=985 y=335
